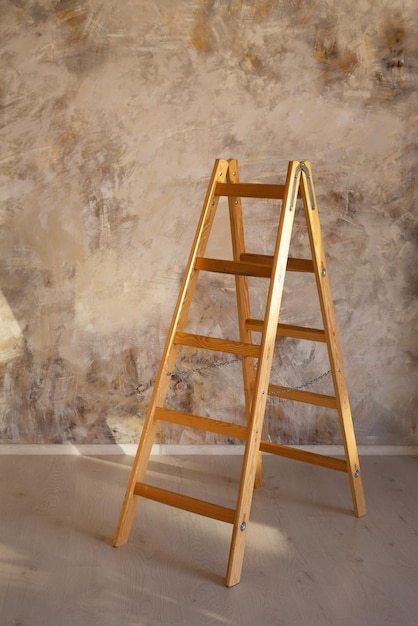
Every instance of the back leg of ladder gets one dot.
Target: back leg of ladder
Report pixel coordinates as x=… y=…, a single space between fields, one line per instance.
x=243 y=301
x=332 y=340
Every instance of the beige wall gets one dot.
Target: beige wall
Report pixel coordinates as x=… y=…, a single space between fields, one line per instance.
x=112 y=116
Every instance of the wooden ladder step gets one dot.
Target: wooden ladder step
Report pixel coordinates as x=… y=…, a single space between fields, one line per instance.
x=219 y=345
x=236 y=268
x=304 y=455
x=251 y=190
x=201 y=507
x=207 y=424
x=308 y=397
x=257 y=265
x=289 y=330
x=293 y=264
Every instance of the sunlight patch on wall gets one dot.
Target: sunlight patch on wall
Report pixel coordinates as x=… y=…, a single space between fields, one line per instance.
x=11 y=340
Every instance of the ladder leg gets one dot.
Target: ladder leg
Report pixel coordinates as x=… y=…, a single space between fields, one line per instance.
x=143 y=453
x=139 y=468
x=243 y=302
x=170 y=352
x=252 y=448
x=334 y=350
x=242 y=512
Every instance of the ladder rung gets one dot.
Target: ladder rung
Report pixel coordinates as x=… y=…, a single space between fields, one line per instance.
x=304 y=455
x=215 y=511
x=233 y=267
x=309 y=397
x=288 y=330
x=251 y=190
x=202 y=423
x=259 y=265
x=259 y=259
x=219 y=345
x=293 y=264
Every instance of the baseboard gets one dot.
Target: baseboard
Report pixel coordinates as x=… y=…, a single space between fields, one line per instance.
x=183 y=450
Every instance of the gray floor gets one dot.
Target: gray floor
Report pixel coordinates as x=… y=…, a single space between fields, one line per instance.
x=307 y=561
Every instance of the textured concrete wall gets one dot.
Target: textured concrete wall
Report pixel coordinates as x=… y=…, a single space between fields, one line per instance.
x=112 y=115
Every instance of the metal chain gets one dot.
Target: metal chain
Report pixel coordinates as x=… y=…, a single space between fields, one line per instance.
x=184 y=374
x=303 y=386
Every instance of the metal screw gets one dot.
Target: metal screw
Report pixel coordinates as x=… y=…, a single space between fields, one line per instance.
x=243 y=526
x=323 y=272
x=356 y=473
x=213 y=203
x=236 y=201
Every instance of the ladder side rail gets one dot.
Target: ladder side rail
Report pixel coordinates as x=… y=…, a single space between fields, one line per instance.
x=332 y=340
x=242 y=295
x=168 y=359
x=252 y=447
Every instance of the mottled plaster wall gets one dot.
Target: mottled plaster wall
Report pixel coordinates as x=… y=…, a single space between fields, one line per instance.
x=112 y=115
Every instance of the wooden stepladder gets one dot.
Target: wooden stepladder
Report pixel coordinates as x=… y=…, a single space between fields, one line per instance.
x=256 y=358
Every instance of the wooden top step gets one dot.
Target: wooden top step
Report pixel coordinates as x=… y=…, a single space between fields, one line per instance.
x=251 y=190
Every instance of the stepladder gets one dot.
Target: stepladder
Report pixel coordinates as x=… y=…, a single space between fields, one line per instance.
x=255 y=348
